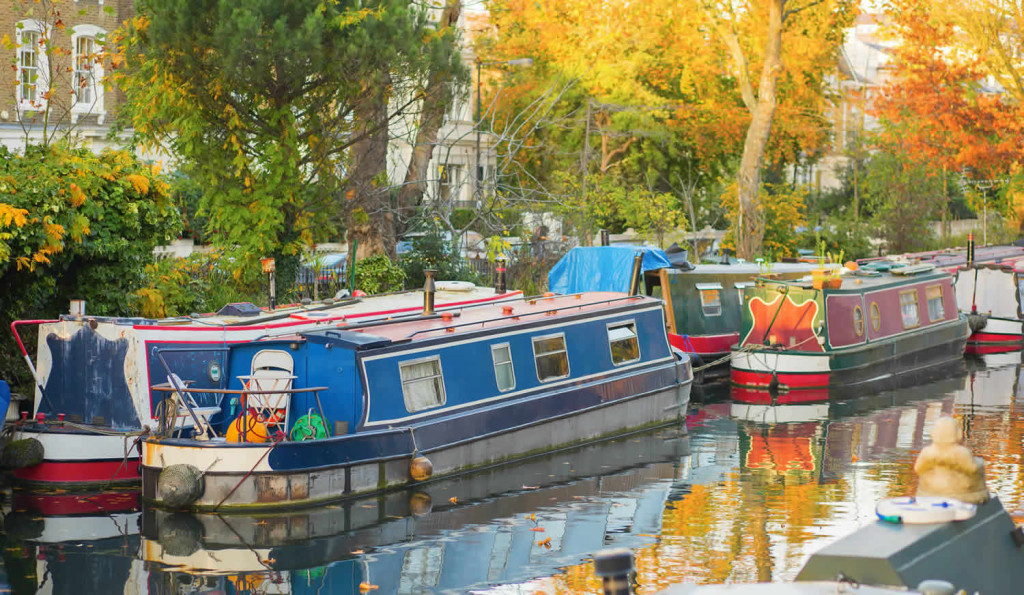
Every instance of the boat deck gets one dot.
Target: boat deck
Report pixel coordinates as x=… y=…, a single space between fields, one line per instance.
x=495 y=315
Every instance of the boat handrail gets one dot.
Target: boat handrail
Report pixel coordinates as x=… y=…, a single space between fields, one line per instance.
x=167 y=388
x=536 y=313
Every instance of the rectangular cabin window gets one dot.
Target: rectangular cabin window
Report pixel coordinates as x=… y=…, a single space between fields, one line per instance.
x=551 y=357
x=934 y=296
x=710 y=298
x=422 y=384
x=623 y=342
x=741 y=287
x=504 y=374
x=908 y=308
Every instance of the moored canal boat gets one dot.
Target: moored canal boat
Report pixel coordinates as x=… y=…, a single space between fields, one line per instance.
x=874 y=326
x=95 y=376
x=990 y=294
x=703 y=302
x=394 y=403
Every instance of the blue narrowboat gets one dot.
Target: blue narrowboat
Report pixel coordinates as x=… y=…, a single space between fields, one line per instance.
x=357 y=408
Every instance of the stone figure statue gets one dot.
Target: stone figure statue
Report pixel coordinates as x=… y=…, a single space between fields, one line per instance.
x=947 y=468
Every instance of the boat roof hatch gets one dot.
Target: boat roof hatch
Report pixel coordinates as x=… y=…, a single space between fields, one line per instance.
x=912 y=269
x=347 y=339
x=703 y=286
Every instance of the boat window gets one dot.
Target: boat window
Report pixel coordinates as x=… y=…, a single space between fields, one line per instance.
x=504 y=374
x=934 y=296
x=551 y=358
x=422 y=384
x=858 y=320
x=908 y=308
x=710 y=298
x=623 y=342
x=741 y=287
x=876 y=317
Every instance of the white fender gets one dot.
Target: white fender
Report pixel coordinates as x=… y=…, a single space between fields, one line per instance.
x=924 y=509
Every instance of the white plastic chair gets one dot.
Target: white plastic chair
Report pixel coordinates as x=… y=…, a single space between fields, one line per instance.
x=271 y=371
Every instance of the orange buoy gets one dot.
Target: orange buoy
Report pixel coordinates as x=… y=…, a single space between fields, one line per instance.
x=253 y=429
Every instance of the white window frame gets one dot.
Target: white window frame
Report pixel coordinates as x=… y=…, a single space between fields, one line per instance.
x=452 y=184
x=631 y=324
x=98 y=36
x=564 y=350
x=704 y=305
x=508 y=349
x=941 y=302
x=42 y=65
x=441 y=398
x=904 y=315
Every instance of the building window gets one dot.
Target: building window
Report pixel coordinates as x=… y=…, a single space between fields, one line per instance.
x=87 y=81
x=422 y=384
x=908 y=308
x=858 y=321
x=551 y=357
x=623 y=342
x=449 y=184
x=876 y=317
x=504 y=373
x=933 y=295
x=32 y=65
x=710 y=298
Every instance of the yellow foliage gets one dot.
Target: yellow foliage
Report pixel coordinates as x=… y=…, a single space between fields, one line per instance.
x=77 y=196
x=140 y=183
x=10 y=214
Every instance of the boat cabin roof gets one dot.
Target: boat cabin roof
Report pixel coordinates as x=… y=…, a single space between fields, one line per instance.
x=476 y=317
x=748 y=269
x=865 y=279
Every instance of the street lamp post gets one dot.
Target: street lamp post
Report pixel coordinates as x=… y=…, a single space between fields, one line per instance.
x=521 y=62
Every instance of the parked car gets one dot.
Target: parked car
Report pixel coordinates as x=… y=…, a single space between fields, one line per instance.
x=325 y=269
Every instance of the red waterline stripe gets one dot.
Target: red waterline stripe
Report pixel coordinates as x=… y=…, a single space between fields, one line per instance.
x=790 y=380
x=81 y=472
x=980 y=337
x=755 y=396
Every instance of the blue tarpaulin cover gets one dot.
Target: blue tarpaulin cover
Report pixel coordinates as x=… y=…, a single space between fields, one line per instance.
x=602 y=268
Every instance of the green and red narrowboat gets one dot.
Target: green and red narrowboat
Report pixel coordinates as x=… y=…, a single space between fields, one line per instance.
x=874 y=326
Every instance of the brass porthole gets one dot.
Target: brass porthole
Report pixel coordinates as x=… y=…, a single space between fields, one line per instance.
x=858 y=321
x=876 y=316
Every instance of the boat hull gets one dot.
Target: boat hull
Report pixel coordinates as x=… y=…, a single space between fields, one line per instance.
x=248 y=480
x=80 y=459
x=780 y=371
x=999 y=335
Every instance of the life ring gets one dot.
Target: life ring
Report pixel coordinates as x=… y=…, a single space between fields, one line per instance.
x=462 y=286
x=924 y=509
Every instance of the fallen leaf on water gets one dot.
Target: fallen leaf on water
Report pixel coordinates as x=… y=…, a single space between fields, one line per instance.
x=537 y=529
x=269 y=561
x=453 y=500
x=357 y=552
x=369 y=506
x=545 y=542
x=532 y=517
x=364 y=587
x=531 y=487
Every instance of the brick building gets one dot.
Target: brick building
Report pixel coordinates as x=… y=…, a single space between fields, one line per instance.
x=55 y=83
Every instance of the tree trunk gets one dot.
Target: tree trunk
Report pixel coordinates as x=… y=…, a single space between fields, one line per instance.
x=436 y=99
x=367 y=214
x=750 y=224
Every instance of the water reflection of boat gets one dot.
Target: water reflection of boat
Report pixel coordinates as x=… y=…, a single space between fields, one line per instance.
x=823 y=439
x=452 y=534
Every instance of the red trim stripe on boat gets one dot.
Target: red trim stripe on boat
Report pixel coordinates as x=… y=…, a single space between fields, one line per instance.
x=82 y=472
x=790 y=380
x=754 y=396
x=980 y=337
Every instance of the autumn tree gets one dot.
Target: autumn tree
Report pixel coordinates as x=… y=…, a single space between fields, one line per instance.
x=278 y=109
x=939 y=123
x=755 y=32
x=645 y=103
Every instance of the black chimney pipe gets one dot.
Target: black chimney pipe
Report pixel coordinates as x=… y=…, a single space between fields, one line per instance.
x=615 y=567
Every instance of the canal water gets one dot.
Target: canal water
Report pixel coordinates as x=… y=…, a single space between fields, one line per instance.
x=740 y=493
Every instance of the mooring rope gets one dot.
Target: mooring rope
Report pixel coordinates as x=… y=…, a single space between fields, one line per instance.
x=250 y=471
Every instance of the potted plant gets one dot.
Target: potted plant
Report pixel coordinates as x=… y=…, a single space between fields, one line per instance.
x=820 y=274
x=834 y=279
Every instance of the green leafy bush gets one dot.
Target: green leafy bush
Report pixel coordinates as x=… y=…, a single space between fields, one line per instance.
x=199 y=283
x=377 y=274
